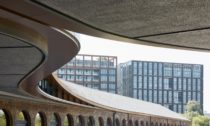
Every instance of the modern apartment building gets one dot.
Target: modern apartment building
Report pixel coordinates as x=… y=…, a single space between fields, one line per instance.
x=98 y=72
x=168 y=84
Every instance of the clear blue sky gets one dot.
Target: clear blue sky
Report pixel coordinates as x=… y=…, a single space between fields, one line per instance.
x=126 y=52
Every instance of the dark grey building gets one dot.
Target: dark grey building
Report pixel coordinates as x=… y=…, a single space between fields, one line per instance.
x=168 y=84
x=98 y=72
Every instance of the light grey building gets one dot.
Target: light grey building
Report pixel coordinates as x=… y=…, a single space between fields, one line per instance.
x=168 y=84
x=94 y=71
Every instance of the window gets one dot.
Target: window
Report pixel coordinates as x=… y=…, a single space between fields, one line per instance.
x=160 y=69
x=112 y=71
x=150 y=95
x=145 y=82
x=155 y=96
x=189 y=96
x=198 y=84
x=135 y=93
x=197 y=71
x=140 y=81
x=184 y=84
x=160 y=96
x=134 y=81
x=112 y=86
x=145 y=95
x=150 y=69
x=155 y=82
x=189 y=84
x=140 y=94
x=187 y=71
x=150 y=82
x=175 y=108
x=180 y=97
x=184 y=97
x=95 y=61
x=79 y=60
x=160 y=83
x=145 y=68
x=170 y=97
x=155 y=69
x=176 y=99
x=112 y=78
x=103 y=78
x=165 y=97
x=112 y=62
x=87 y=61
x=103 y=71
x=167 y=69
x=194 y=84
x=104 y=86
x=179 y=83
x=170 y=83
x=140 y=68
x=180 y=108
x=104 y=62
x=166 y=83
x=177 y=70
x=175 y=83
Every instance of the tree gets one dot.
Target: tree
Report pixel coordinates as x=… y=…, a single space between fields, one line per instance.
x=195 y=114
x=194 y=106
x=200 y=121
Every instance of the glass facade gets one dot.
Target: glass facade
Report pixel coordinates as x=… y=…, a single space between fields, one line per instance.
x=98 y=72
x=169 y=84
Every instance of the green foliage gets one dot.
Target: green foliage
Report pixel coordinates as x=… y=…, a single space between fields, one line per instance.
x=20 y=116
x=194 y=113
x=191 y=115
x=38 y=121
x=194 y=106
x=200 y=121
x=2 y=120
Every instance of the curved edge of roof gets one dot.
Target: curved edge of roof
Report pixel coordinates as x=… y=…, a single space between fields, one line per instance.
x=118 y=103
x=69 y=23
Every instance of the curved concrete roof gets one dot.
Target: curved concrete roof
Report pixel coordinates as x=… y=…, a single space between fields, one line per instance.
x=166 y=23
x=117 y=102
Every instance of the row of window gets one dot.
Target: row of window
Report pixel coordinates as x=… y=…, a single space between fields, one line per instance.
x=23 y=119
x=94 y=72
x=159 y=96
x=93 y=61
x=166 y=69
x=180 y=108
x=166 y=83
x=73 y=78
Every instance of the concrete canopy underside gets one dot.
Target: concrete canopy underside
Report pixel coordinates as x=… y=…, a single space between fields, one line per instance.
x=184 y=23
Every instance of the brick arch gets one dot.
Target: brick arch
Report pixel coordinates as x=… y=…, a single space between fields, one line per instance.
x=101 y=121
x=70 y=119
x=26 y=119
x=109 y=122
x=117 y=122
x=136 y=123
x=80 y=121
x=142 y=123
x=91 y=121
x=130 y=123
x=8 y=117
x=123 y=122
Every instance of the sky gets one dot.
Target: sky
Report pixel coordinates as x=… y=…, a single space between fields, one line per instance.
x=126 y=51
